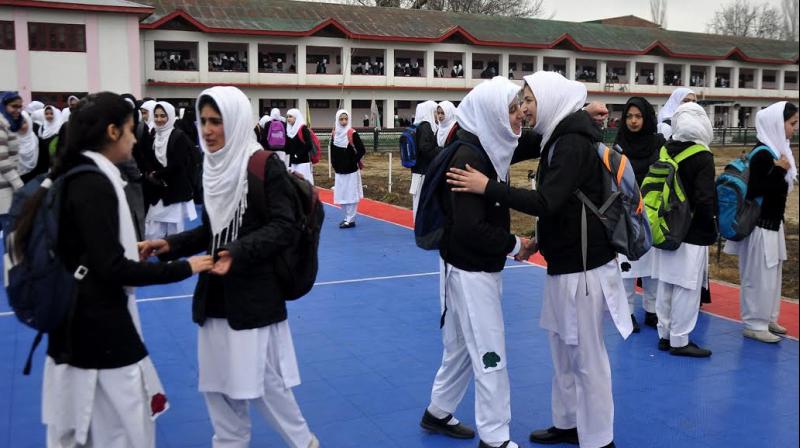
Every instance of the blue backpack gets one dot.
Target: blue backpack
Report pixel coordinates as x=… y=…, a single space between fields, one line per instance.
x=408 y=147
x=737 y=214
x=41 y=290
x=430 y=221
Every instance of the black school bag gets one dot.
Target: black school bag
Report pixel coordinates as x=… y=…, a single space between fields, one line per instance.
x=296 y=267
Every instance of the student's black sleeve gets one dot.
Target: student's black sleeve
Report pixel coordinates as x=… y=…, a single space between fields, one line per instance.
x=190 y=242
x=529 y=147
x=361 y=151
x=766 y=178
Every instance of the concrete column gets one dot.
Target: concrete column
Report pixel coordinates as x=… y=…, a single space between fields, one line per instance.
x=348 y=106
x=687 y=75
x=503 y=68
x=660 y=74
x=202 y=60
x=538 y=63
x=712 y=77
x=571 y=68
x=388 y=67
x=468 y=67
x=759 y=78
x=735 y=78
x=602 y=68
x=347 y=68
x=300 y=64
x=781 y=81
x=252 y=62
x=632 y=73
x=711 y=110
x=429 y=61
x=388 y=113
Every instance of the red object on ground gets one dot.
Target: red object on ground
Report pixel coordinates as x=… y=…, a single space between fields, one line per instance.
x=724 y=296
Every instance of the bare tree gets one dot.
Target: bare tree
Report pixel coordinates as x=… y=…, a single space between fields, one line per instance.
x=658 y=12
x=745 y=19
x=509 y=8
x=791 y=16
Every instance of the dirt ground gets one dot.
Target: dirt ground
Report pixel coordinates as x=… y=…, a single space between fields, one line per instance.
x=724 y=267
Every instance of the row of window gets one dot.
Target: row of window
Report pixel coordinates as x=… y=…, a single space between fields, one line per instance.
x=46 y=36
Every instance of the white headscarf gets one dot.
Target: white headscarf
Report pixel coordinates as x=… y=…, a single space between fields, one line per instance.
x=447 y=123
x=275 y=114
x=674 y=101
x=770 y=131
x=37 y=116
x=426 y=113
x=556 y=97
x=484 y=113
x=163 y=132
x=225 y=171
x=149 y=105
x=28 y=147
x=691 y=124
x=299 y=122
x=50 y=128
x=33 y=106
x=340 y=132
x=263 y=121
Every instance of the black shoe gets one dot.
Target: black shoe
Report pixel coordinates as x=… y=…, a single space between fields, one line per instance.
x=663 y=345
x=440 y=426
x=636 y=328
x=347 y=225
x=342 y=224
x=651 y=319
x=691 y=350
x=554 y=436
x=485 y=445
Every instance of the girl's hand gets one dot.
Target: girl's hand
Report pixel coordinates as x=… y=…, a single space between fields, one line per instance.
x=467 y=181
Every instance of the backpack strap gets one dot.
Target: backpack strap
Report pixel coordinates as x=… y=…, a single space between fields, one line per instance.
x=688 y=152
x=758 y=149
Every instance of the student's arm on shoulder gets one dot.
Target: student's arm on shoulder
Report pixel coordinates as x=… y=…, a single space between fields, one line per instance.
x=189 y=242
x=279 y=232
x=558 y=186
x=470 y=227
x=97 y=223
x=529 y=147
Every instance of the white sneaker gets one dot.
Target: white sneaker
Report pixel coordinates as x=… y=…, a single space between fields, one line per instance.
x=314 y=443
x=761 y=336
x=776 y=328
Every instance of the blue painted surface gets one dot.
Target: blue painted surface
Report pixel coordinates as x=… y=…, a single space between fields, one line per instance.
x=368 y=352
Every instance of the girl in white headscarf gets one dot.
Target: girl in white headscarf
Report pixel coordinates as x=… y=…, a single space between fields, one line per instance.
x=147 y=114
x=473 y=254
x=245 y=351
x=72 y=102
x=346 y=152
x=48 y=131
x=275 y=124
x=299 y=144
x=763 y=252
x=172 y=170
x=28 y=150
x=679 y=96
x=446 y=116
x=578 y=289
x=682 y=273
x=425 y=139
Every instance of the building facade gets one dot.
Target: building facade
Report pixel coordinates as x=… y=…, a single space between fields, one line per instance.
x=319 y=57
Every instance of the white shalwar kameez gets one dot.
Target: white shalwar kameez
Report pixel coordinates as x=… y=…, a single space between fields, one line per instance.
x=305 y=170
x=416 y=187
x=681 y=275
x=473 y=336
x=168 y=220
x=250 y=367
x=641 y=268
x=572 y=311
x=761 y=257
x=348 y=192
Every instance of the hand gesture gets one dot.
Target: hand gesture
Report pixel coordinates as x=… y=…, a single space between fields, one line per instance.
x=202 y=263
x=152 y=248
x=223 y=264
x=783 y=162
x=467 y=181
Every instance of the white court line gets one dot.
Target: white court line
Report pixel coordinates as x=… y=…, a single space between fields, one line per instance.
x=335 y=282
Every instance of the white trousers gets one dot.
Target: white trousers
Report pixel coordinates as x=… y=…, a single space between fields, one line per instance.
x=474 y=346
x=416 y=187
x=677 y=310
x=305 y=169
x=581 y=389
x=156 y=230
x=350 y=211
x=649 y=288
x=231 y=418
x=119 y=419
x=414 y=205
x=760 y=293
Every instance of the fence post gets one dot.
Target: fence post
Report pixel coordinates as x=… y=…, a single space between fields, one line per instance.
x=724 y=132
x=375 y=136
x=390 y=172
x=745 y=137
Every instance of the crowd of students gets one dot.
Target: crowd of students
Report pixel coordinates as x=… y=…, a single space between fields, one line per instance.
x=153 y=162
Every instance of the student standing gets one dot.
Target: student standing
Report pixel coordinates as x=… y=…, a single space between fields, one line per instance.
x=763 y=252
x=273 y=136
x=32 y=162
x=446 y=117
x=347 y=150
x=641 y=144
x=682 y=273
x=48 y=132
x=679 y=96
x=299 y=144
x=245 y=351
x=425 y=139
x=474 y=247
x=576 y=294
x=10 y=123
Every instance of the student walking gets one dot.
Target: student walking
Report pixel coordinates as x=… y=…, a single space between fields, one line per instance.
x=425 y=136
x=347 y=150
x=299 y=144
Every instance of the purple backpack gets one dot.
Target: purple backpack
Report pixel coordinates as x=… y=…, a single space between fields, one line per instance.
x=276 y=135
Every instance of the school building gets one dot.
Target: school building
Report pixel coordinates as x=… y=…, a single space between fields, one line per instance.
x=320 y=56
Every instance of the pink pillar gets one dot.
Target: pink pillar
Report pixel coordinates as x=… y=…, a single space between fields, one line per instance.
x=135 y=62
x=23 y=55
x=92 y=53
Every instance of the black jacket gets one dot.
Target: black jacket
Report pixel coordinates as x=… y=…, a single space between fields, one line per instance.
x=101 y=335
x=767 y=181
x=177 y=175
x=697 y=175
x=345 y=160
x=427 y=148
x=249 y=296
x=574 y=165
x=300 y=151
x=477 y=234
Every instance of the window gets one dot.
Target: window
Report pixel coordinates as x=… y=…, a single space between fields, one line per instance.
x=57 y=99
x=56 y=37
x=319 y=104
x=7 y=35
x=176 y=56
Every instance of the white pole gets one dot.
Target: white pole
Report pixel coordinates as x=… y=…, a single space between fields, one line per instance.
x=390 y=172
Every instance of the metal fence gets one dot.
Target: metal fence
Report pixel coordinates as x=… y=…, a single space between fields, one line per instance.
x=385 y=140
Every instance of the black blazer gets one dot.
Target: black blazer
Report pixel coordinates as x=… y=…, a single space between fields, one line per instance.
x=249 y=296
x=427 y=148
x=177 y=175
x=300 y=151
x=101 y=335
x=345 y=160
